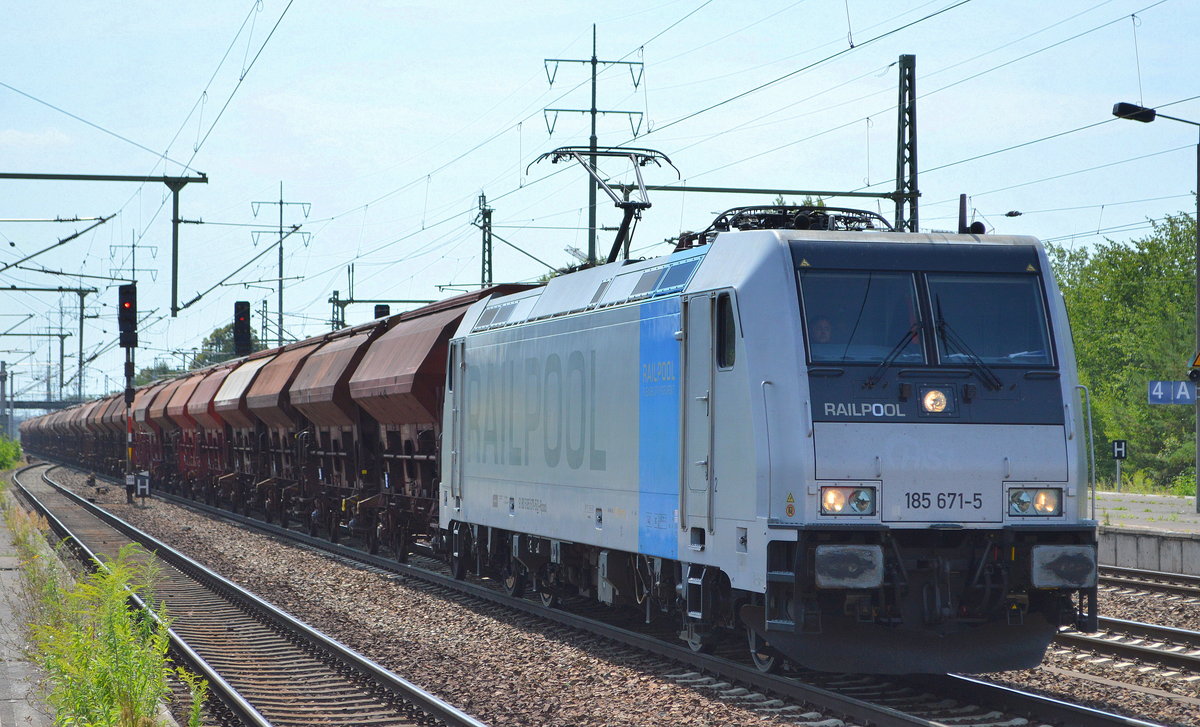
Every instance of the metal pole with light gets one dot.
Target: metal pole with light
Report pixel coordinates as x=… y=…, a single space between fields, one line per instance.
x=1146 y=115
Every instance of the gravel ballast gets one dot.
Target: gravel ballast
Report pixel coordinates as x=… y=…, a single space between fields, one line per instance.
x=517 y=670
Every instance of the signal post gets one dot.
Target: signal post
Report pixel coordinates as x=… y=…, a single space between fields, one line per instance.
x=127 y=323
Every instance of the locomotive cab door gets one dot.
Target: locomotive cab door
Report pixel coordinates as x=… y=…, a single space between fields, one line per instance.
x=696 y=467
x=455 y=385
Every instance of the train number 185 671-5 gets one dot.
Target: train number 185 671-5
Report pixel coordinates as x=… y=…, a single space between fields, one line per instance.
x=943 y=500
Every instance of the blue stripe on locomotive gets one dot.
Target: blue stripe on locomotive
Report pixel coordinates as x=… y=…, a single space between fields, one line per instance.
x=658 y=428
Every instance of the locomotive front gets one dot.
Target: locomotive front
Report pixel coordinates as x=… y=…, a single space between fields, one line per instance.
x=941 y=525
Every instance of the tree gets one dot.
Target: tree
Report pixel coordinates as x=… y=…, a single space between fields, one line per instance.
x=218 y=347
x=808 y=201
x=1131 y=311
x=160 y=370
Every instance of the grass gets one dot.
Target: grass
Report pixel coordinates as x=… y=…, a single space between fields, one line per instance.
x=106 y=664
x=1142 y=482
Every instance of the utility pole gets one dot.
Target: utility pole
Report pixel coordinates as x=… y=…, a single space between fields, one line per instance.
x=595 y=63
x=338 y=319
x=264 y=315
x=61 y=335
x=82 y=293
x=306 y=206
x=12 y=406
x=118 y=273
x=4 y=396
x=906 y=147
x=484 y=222
x=173 y=183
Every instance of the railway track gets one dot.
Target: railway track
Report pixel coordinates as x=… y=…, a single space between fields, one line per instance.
x=858 y=699
x=1175 y=649
x=1175 y=584
x=265 y=667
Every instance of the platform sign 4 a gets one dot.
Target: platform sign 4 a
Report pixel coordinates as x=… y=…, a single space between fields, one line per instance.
x=1171 y=392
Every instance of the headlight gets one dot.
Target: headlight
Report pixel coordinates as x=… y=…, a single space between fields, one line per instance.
x=934 y=401
x=847 y=500
x=1032 y=502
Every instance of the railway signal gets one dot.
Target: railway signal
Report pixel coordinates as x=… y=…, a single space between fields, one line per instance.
x=127 y=315
x=241 y=328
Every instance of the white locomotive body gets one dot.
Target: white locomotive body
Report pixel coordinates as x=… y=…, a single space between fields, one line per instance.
x=862 y=449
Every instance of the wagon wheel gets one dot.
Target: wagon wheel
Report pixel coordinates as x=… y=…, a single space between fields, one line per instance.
x=314 y=521
x=401 y=534
x=374 y=526
x=282 y=510
x=765 y=658
x=269 y=508
x=333 y=522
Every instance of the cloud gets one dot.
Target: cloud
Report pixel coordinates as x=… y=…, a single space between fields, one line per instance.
x=49 y=138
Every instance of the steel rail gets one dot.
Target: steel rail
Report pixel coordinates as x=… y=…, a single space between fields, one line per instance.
x=218 y=687
x=394 y=684
x=1168 y=655
x=1176 y=583
x=1014 y=701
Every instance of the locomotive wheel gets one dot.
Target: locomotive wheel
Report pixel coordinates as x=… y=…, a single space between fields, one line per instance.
x=313 y=525
x=701 y=642
x=460 y=553
x=764 y=657
x=458 y=567
x=547 y=589
x=269 y=509
x=515 y=579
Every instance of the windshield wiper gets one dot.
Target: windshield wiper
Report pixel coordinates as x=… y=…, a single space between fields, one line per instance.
x=947 y=334
x=889 y=359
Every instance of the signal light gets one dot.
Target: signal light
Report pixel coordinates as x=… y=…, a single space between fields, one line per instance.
x=241 y=328
x=127 y=315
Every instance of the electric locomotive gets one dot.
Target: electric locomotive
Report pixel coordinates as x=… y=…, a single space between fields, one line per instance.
x=860 y=450
x=856 y=449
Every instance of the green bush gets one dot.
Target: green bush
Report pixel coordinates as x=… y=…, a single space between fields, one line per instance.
x=106 y=665
x=10 y=453
x=1184 y=484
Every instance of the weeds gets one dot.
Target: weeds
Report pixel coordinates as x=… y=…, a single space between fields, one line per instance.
x=1142 y=482
x=106 y=664
x=10 y=453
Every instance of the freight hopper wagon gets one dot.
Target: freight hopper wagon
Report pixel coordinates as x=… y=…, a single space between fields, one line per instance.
x=338 y=433
x=858 y=450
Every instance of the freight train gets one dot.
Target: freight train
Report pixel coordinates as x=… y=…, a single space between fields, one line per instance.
x=854 y=448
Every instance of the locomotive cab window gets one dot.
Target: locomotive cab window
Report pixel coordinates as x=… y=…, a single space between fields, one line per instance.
x=1001 y=319
x=726 y=332
x=861 y=317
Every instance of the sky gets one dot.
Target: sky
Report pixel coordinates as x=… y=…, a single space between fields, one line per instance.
x=381 y=125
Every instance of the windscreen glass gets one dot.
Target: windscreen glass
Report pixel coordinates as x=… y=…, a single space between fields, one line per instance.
x=993 y=319
x=861 y=317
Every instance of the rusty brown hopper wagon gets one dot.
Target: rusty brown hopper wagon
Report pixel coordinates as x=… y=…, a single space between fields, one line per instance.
x=400 y=383
x=246 y=466
x=147 y=439
x=268 y=401
x=339 y=436
x=210 y=434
